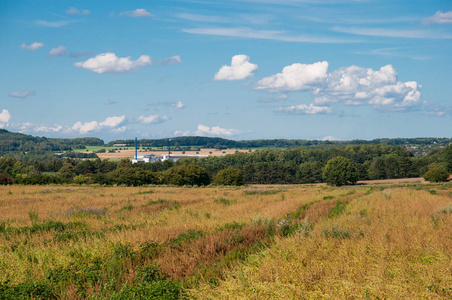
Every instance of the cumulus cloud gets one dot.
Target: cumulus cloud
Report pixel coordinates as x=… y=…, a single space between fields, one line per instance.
x=113 y=121
x=350 y=86
x=173 y=60
x=178 y=105
x=22 y=94
x=58 y=51
x=304 y=109
x=74 y=11
x=296 y=77
x=440 y=18
x=33 y=46
x=110 y=122
x=364 y=86
x=110 y=63
x=110 y=102
x=152 y=119
x=209 y=131
x=239 y=69
x=329 y=138
x=4 y=118
x=137 y=13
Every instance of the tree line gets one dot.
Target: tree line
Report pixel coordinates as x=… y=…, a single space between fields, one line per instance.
x=268 y=166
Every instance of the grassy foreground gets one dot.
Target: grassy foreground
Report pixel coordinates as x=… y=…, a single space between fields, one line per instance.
x=305 y=242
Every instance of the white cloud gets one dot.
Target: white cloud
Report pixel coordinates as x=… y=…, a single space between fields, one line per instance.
x=33 y=46
x=360 y=86
x=74 y=11
x=48 y=128
x=152 y=119
x=85 y=127
x=4 y=118
x=22 y=94
x=58 y=51
x=110 y=63
x=209 y=131
x=54 y=24
x=113 y=121
x=215 y=131
x=119 y=129
x=276 y=35
x=329 y=138
x=110 y=102
x=110 y=122
x=170 y=61
x=178 y=104
x=296 y=77
x=350 y=86
x=137 y=13
x=396 y=33
x=440 y=18
x=239 y=69
x=304 y=109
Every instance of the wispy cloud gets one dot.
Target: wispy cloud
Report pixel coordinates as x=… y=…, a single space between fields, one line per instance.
x=33 y=46
x=236 y=19
x=81 y=54
x=277 y=35
x=54 y=24
x=304 y=109
x=173 y=60
x=22 y=94
x=74 y=11
x=110 y=102
x=393 y=52
x=439 y=18
x=395 y=33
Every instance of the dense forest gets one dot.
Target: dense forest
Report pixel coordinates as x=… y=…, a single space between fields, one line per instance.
x=266 y=166
x=18 y=142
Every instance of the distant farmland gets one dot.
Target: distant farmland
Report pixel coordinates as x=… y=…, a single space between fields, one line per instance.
x=273 y=242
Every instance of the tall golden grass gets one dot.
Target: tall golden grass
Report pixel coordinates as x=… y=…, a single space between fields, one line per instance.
x=349 y=242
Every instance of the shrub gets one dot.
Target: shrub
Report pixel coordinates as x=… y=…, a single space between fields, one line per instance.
x=339 y=171
x=436 y=175
x=229 y=176
x=5 y=180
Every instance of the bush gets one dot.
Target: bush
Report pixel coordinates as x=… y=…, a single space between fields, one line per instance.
x=229 y=176
x=436 y=175
x=339 y=171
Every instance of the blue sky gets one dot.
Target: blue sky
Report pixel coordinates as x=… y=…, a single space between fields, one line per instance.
x=238 y=69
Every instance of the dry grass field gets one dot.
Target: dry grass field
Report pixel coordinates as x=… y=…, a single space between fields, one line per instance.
x=275 y=242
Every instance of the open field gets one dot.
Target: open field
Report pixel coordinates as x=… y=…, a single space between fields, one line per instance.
x=274 y=242
x=203 y=151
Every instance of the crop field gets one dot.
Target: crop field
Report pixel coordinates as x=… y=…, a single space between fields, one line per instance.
x=385 y=241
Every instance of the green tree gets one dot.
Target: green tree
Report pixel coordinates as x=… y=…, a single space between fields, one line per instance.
x=189 y=174
x=229 y=176
x=339 y=171
x=310 y=172
x=436 y=175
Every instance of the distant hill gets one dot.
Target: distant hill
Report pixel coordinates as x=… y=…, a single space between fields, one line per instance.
x=14 y=142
